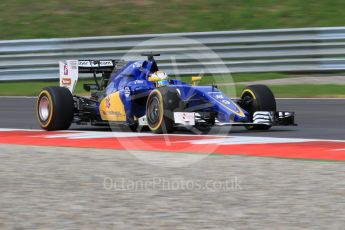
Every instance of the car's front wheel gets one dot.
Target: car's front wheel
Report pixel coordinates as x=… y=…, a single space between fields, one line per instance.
x=160 y=107
x=55 y=108
x=258 y=98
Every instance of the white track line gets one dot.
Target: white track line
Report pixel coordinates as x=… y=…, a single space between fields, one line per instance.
x=118 y=134
x=308 y=98
x=278 y=98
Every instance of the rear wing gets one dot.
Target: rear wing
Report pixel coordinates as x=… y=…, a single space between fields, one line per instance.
x=99 y=66
x=70 y=70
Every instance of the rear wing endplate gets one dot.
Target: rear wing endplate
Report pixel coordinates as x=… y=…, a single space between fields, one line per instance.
x=68 y=74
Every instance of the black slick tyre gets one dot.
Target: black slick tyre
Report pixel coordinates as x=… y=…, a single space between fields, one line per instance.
x=55 y=108
x=258 y=98
x=160 y=107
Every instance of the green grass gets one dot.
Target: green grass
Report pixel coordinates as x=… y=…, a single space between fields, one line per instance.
x=241 y=77
x=298 y=91
x=29 y=88
x=32 y=88
x=335 y=91
x=65 y=18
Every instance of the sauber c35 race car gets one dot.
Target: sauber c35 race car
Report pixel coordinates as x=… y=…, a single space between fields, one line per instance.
x=137 y=93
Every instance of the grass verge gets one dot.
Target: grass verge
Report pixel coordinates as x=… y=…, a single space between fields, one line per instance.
x=32 y=88
x=64 y=18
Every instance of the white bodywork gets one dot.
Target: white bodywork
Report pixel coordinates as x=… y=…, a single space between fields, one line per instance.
x=184 y=118
x=142 y=121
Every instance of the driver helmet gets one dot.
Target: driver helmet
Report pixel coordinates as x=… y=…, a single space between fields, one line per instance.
x=160 y=77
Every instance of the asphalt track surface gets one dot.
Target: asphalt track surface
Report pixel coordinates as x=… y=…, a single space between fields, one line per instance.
x=73 y=188
x=316 y=118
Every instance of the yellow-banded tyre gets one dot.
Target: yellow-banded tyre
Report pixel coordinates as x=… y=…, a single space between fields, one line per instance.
x=55 y=108
x=160 y=107
x=258 y=98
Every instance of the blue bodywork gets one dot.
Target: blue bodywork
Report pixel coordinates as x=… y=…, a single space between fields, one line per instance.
x=132 y=79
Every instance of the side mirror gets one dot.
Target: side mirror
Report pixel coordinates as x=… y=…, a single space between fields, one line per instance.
x=196 y=80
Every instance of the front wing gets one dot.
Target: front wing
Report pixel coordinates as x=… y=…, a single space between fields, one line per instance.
x=270 y=118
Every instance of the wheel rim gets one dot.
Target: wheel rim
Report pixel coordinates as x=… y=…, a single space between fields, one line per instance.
x=153 y=114
x=44 y=108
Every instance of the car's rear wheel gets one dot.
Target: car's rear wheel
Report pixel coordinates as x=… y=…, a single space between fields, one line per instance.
x=258 y=98
x=55 y=108
x=160 y=107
